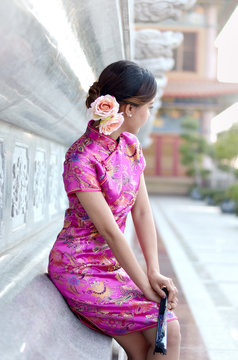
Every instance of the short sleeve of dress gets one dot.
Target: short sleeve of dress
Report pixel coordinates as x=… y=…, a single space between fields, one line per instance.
x=80 y=175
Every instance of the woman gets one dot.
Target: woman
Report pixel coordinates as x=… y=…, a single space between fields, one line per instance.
x=91 y=262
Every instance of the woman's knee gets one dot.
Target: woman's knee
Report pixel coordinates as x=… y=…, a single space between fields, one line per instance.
x=173 y=331
x=135 y=345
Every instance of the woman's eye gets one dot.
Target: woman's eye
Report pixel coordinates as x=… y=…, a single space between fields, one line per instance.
x=151 y=107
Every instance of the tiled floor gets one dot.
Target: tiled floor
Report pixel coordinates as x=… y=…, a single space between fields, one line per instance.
x=198 y=248
x=192 y=346
x=202 y=246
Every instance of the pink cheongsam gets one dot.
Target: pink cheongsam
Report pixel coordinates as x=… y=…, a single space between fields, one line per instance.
x=81 y=264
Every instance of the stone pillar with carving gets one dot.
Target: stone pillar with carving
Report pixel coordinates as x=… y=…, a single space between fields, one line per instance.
x=153 y=48
x=154 y=11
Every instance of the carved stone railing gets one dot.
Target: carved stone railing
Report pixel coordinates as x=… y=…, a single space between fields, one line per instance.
x=31 y=187
x=152 y=11
x=153 y=48
x=152 y=43
x=154 y=51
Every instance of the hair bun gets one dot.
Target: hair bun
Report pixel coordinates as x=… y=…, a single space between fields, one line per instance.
x=93 y=93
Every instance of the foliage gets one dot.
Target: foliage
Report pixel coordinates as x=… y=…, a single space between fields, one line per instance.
x=193 y=149
x=220 y=196
x=217 y=195
x=232 y=192
x=235 y=172
x=226 y=145
x=204 y=173
x=226 y=150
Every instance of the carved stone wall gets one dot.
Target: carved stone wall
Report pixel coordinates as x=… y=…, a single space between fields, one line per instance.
x=51 y=53
x=20 y=185
x=31 y=186
x=39 y=184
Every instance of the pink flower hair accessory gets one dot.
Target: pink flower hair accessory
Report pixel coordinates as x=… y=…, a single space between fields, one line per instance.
x=105 y=108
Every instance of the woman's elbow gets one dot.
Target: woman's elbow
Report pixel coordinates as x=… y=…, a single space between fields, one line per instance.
x=109 y=233
x=140 y=213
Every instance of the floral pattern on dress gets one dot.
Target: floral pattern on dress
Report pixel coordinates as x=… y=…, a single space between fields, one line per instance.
x=81 y=264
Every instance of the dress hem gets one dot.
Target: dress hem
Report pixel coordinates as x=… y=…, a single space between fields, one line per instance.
x=92 y=326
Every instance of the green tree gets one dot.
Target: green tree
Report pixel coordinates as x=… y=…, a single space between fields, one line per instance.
x=232 y=193
x=226 y=150
x=193 y=149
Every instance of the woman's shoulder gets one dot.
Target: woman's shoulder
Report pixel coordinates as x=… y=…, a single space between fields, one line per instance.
x=80 y=148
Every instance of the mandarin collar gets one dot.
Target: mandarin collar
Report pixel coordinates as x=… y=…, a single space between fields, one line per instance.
x=106 y=141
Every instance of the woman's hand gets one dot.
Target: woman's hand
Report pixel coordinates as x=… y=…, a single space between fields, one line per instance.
x=150 y=294
x=158 y=281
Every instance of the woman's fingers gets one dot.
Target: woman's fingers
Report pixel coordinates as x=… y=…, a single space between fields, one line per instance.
x=172 y=290
x=158 y=282
x=160 y=292
x=172 y=304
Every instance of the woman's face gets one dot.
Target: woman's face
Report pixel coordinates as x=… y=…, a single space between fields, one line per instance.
x=139 y=116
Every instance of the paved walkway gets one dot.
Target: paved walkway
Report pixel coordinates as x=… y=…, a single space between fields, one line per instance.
x=202 y=245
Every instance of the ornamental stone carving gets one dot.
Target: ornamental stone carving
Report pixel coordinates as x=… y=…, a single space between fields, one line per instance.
x=20 y=178
x=159 y=10
x=39 y=185
x=153 y=50
x=151 y=43
x=157 y=66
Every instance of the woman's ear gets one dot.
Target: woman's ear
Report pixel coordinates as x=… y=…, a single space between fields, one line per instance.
x=128 y=109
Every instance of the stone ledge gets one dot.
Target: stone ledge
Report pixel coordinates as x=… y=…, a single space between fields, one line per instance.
x=37 y=324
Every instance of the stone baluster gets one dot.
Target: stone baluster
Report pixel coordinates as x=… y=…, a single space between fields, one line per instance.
x=151 y=11
x=154 y=49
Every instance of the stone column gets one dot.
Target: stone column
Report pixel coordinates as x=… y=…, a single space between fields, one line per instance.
x=154 y=49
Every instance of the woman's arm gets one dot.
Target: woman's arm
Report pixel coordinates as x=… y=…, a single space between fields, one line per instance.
x=100 y=214
x=146 y=233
